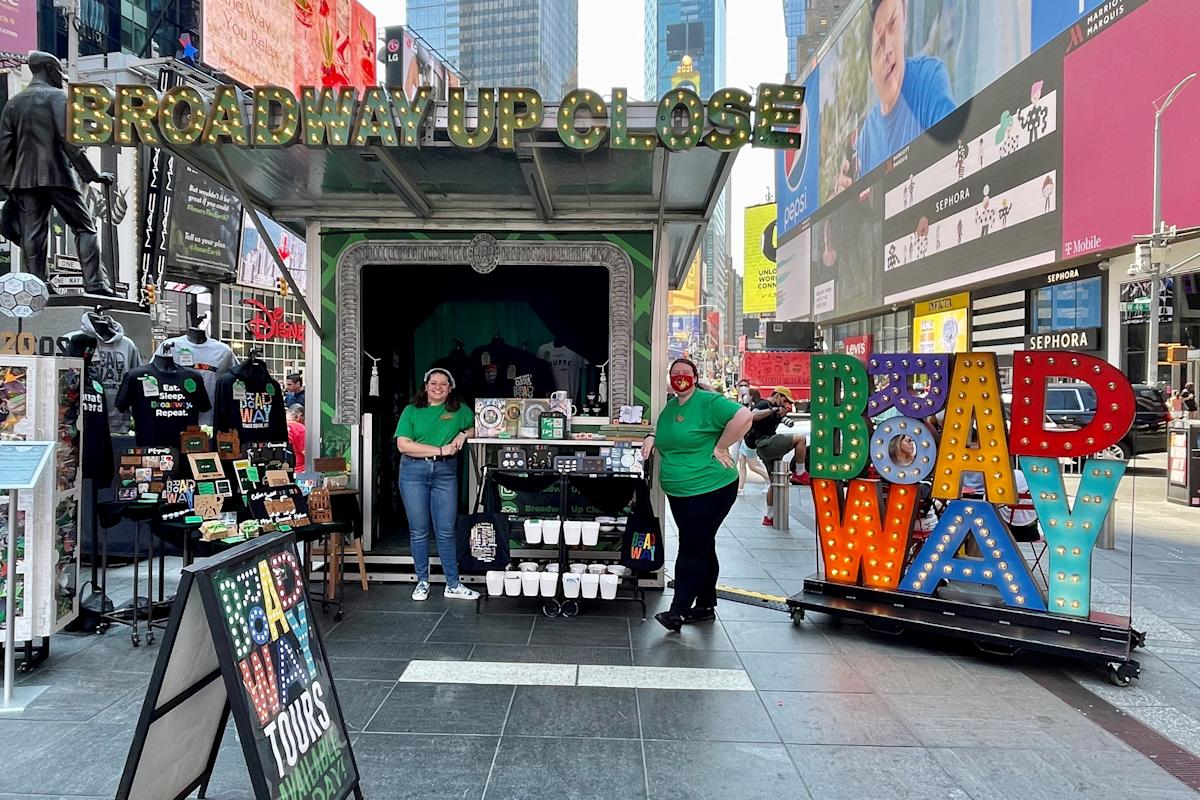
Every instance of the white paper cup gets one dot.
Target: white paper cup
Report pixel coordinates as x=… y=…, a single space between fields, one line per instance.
x=589 y=585
x=572 y=530
x=618 y=570
x=552 y=568
x=495 y=582
x=597 y=569
x=550 y=529
x=577 y=569
x=591 y=533
x=549 y=582
x=533 y=531
x=608 y=586
x=571 y=582
x=530 y=581
x=512 y=584
x=528 y=566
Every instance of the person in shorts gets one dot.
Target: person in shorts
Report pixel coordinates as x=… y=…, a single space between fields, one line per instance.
x=772 y=445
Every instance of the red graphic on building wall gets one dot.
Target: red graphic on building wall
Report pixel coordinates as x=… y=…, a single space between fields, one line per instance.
x=269 y=324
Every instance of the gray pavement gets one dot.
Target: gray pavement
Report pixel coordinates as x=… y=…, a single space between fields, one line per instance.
x=772 y=710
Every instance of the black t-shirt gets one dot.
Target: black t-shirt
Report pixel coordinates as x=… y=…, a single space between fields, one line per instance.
x=251 y=402
x=97 y=441
x=762 y=428
x=164 y=402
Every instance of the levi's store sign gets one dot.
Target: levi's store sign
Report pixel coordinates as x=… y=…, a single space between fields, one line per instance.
x=865 y=525
x=273 y=116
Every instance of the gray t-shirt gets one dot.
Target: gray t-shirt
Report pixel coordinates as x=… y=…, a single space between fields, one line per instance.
x=211 y=359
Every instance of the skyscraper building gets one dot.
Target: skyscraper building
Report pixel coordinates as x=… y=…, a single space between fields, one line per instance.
x=685 y=46
x=806 y=23
x=531 y=43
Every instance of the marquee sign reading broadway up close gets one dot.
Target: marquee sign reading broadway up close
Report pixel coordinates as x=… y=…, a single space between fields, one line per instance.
x=864 y=538
x=272 y=116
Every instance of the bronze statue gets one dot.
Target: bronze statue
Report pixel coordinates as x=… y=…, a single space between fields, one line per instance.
x=38 y=169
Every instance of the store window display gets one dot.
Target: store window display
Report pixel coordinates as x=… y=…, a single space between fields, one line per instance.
x=198 y=351
x=112 y=357
x=568 y=367
x=165 y=400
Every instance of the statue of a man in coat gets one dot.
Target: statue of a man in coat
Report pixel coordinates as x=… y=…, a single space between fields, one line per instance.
x=40 y=170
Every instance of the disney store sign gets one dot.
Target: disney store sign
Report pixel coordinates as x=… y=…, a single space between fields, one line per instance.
x=268 y=324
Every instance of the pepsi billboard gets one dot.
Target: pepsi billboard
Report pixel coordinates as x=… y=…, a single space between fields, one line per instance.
x=796 y=170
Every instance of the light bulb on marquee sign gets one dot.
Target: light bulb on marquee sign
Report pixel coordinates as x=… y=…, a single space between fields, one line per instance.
x=865 y=541
x=272 y=116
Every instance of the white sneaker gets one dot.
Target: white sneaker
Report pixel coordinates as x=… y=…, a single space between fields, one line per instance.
x=461 y=592
x=421 y=592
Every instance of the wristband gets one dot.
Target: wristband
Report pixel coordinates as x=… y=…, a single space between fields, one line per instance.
x=439 y=451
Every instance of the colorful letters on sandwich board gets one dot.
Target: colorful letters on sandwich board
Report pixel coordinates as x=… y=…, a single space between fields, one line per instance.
x=964 y=449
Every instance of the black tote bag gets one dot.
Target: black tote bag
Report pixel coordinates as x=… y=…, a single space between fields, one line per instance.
x=642 y=547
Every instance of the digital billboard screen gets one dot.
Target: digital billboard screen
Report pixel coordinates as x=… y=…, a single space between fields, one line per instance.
x=290 y=43
x=896 y=69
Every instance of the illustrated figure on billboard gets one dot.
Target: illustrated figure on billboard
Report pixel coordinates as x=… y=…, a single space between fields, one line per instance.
x=922 y=246
x=40 y=172
x=913 y=93
x=963 y=150
x=893 y=260
x=960 y=231
x=1033 y=121
x=937 y=238
x=1005 y=209
x=985 y=215
x=1048 y=193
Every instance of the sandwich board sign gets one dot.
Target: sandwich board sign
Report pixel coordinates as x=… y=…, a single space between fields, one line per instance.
x=242 y=641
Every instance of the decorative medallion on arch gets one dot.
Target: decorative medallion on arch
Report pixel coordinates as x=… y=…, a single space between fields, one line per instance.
x=479 y=251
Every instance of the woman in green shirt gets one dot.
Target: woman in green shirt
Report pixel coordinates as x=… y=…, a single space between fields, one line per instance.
x=431 y=431
x=692 y=437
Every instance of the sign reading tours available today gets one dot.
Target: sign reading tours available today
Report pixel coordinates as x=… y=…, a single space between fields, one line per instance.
x=242 y=640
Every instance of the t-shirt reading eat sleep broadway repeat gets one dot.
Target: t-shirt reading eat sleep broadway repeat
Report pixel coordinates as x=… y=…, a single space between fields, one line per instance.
x=164 y=402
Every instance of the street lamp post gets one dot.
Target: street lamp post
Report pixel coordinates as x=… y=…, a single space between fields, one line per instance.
x=1159 y=235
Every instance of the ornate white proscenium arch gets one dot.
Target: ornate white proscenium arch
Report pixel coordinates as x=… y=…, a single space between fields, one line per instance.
x=483 y=253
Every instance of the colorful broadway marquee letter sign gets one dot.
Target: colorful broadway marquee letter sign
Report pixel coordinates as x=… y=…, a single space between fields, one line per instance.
x=958 y=449
x=242 y=641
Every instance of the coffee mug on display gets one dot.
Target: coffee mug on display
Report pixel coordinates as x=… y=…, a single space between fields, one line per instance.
x=572 y=532
x=495 y=582
x=549 y=582
x=591 y=533
x=578 y=569
x=589 y=585
x=550 y=529
x=608 y=586
x=571 y=582
x=533 y=531
x=512 y=584
x=597 y=569
x=530 y=581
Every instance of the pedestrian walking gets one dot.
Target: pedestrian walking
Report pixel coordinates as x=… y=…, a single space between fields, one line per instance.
x=692 y=437
x=1188 y=398
x=432 y=429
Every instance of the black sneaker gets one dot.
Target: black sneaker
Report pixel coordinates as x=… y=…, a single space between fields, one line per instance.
x=670 y=620
x=699 y=615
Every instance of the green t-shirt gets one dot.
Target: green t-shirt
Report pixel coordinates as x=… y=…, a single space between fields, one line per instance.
x=433 y=425
x=685 y=438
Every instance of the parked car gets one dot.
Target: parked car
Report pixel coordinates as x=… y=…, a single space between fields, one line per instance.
x=1074 y=404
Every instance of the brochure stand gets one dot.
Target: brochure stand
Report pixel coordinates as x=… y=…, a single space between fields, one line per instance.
x=21 y=463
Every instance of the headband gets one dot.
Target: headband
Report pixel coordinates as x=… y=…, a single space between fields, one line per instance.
x=445 y=372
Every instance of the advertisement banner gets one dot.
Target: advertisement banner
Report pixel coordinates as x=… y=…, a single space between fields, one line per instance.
x=858 y=346
x=255 y=265
x=415 y=64
x=793 y=294
x=896 y=70
x=770 y=369
x=18 y=26
x=1108 y=200
x=290 y=42
x=759 y=255
x=844 y=259
x=941 y=325
x=206 y=220
x=796 y=170
x=980 y=190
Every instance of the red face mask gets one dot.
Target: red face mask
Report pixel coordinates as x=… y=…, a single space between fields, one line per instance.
x=681 y=383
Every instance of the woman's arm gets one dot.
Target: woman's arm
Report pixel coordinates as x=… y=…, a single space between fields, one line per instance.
x=735 y=429
x=417 y=450
x=460 y=441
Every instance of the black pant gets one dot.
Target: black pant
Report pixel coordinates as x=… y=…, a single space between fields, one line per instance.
x=696 y=567
x=34 y=206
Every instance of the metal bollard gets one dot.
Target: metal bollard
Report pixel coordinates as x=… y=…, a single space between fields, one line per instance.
x=781 y=484
x=1107 y=540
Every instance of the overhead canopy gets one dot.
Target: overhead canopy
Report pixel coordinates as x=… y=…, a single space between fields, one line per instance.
x=541 y=181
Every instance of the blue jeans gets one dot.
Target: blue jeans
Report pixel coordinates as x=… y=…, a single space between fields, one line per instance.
x=430 y=492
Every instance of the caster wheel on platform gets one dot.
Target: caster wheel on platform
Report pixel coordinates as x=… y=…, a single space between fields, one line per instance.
x=1120 y=674
x=797 y=615
x=24 y=667
x=338 y=616
x=551 y=608
x=569 y=609
x=150 y=638
x=136 y=641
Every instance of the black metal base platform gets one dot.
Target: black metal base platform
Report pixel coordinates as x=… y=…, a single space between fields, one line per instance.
x=1103 y=639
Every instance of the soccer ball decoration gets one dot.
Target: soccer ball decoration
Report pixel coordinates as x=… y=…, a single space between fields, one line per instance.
x=22 y=294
